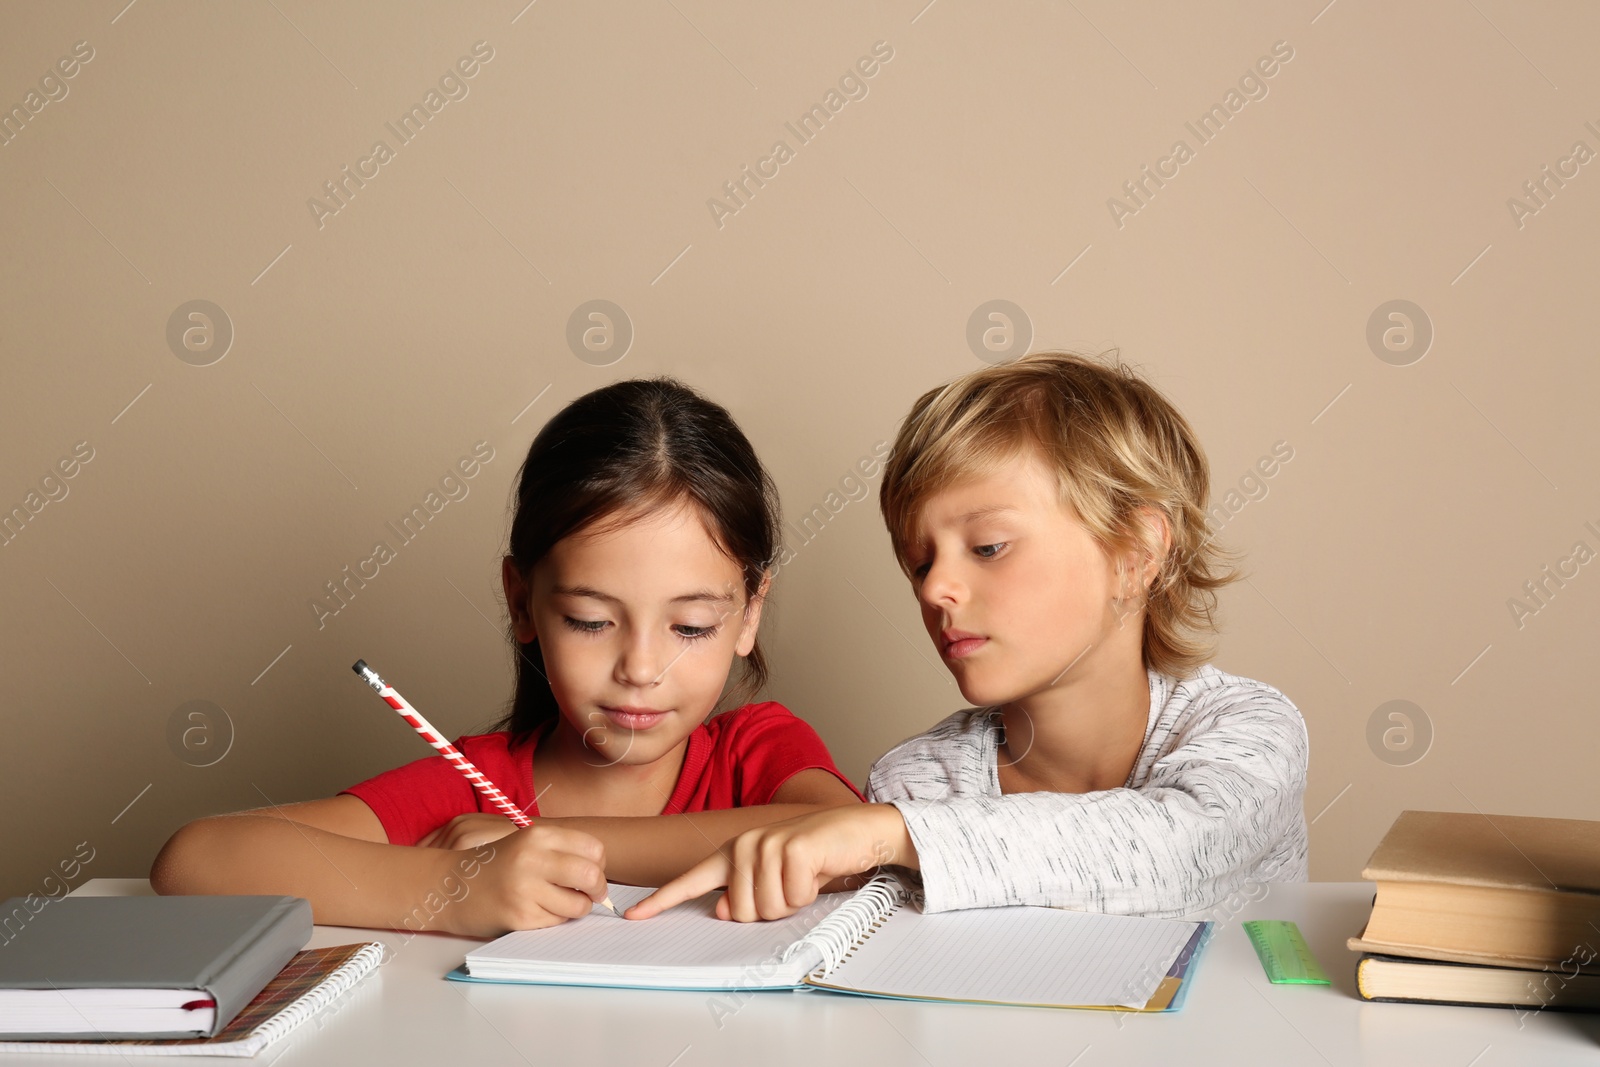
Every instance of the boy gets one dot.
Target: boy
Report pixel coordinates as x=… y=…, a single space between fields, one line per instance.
x=1050 y=515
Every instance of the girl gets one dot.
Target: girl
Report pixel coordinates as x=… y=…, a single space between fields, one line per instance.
x=1050 y=515
x=641 y=553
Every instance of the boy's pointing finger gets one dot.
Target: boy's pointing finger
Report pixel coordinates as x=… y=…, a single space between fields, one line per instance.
x=710 y=873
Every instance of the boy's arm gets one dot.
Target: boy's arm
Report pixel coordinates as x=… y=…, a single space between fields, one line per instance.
x=334 y=853
x=1212 y=810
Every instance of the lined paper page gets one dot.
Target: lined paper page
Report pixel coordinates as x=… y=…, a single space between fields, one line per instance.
x=1016 y=955
x=687 y=943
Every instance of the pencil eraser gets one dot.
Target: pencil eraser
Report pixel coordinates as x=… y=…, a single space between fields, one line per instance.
x=360 y=667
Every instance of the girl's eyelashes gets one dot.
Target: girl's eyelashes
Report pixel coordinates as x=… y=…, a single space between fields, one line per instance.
x=595 y=626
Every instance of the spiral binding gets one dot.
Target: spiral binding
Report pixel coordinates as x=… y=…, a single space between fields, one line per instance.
x=323 y=994
x=850 y=923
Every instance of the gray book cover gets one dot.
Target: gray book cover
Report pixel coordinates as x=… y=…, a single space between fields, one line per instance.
x=228 y=946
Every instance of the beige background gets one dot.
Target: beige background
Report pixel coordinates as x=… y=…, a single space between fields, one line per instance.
x=372 y=352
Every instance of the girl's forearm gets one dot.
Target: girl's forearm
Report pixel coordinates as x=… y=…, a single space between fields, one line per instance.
x=349 y=882
x=653 y=850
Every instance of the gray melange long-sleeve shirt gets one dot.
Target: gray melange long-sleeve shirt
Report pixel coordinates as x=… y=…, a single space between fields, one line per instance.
x=1214 y=805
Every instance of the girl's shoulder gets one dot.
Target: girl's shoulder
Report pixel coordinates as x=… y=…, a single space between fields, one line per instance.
x=749 y=713
x=498 y=742
x=498 y=750
x=753 y=720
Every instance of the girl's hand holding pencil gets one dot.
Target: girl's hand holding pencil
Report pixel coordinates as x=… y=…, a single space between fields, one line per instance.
x=469 y=831
x=539 y=876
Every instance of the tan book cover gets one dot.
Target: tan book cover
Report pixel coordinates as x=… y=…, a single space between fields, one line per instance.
x=1508 y=851
x=1487 y=889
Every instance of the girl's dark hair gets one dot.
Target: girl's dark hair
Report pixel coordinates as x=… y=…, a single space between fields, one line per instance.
x=631 y=446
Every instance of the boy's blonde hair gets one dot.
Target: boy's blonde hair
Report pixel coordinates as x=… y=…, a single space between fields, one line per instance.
x=1115 y=444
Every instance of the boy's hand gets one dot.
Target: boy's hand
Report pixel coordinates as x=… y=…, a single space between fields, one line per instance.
x=537 y=877
x=774 y=871
x=469 y=831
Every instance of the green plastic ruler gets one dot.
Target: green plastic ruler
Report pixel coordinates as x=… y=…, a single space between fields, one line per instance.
x=1285 y=956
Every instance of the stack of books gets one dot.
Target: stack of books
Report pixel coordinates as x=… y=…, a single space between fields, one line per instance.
x=1479 y=909
x=163 y=976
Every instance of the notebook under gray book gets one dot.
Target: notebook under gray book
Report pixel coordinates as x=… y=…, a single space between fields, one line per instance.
x=140 y=967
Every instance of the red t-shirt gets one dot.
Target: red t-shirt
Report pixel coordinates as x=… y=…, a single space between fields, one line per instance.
x=734 y=760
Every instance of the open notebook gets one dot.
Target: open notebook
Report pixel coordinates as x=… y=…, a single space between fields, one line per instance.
x=870 y=943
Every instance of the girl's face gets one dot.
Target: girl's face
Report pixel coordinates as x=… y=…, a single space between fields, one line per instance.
x=638 y=626
x=1015 y=592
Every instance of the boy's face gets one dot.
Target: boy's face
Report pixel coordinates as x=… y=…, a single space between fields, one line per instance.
x=1014 y=589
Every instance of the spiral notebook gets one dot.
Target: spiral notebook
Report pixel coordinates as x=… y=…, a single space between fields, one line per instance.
x=870 y=943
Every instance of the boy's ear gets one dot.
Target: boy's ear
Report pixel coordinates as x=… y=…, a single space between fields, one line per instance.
x=1145 y=555
x=752 y=615
x=1159 y=542
x=517 y=591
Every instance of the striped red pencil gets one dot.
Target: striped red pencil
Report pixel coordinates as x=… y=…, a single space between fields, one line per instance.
x=479 y=780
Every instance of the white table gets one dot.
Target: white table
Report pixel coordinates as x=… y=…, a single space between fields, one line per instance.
x=406 y=1013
